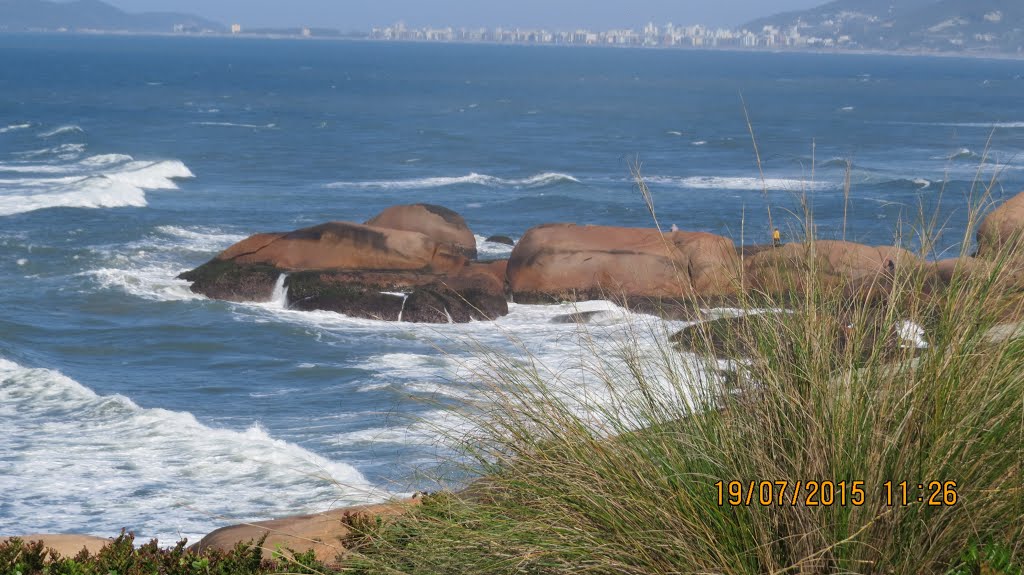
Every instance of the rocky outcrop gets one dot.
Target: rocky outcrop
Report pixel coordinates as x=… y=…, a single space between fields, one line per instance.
x=437 y=223
x=344 y=245
x=323 y=533
x=846 y=265
x=1002 y=226
x=359 y=270
x=566 y=262
x=66 y=545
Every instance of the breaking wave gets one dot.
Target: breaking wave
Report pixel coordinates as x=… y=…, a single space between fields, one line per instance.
x=103 y=181
x=160 y=473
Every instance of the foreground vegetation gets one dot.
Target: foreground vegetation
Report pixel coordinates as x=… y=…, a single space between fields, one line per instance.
x=122 y=557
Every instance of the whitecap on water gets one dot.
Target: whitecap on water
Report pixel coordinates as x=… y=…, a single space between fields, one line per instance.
x=13 y=127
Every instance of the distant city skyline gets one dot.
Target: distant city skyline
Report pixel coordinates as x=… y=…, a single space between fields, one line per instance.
x=553 y=14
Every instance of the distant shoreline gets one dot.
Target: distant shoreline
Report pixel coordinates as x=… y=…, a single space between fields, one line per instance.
x=1003 y=56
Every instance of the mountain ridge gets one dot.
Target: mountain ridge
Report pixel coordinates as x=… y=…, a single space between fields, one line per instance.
x=44 y=15
x=915 y=25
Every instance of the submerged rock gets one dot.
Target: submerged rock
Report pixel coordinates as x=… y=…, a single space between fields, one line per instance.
x=501 y=240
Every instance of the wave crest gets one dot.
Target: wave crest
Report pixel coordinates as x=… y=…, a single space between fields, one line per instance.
x=536 y=181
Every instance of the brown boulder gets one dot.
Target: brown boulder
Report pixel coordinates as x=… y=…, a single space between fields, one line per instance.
x=358 y=270
x=964 y=267
x=852 y=266
x=568 y=262
x=324 y=533
x=437 y=223
x=66 y=545
x=1003 y=225
x=1008 y=274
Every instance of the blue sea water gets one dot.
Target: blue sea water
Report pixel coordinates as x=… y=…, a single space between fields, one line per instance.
x=126 y=401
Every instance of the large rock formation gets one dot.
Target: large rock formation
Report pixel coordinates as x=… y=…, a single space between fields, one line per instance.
x=437 y=223
x=1003 y=225
x=359 y=270
x=566 y=262
x=847 y=265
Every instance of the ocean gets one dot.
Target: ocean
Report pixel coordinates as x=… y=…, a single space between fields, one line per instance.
x=128 y=402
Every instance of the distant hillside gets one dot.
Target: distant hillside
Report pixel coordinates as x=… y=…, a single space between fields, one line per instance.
x=920 y=25
x=41 y=15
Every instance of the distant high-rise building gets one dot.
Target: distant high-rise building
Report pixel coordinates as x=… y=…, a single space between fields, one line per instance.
x=236 y=28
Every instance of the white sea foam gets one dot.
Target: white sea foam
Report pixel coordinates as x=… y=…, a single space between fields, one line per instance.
x=104 y=181
x=160 y=473
x=740 y=183
x=148 y=269
x=491 y=250
x=555 y=352
x=535 y=181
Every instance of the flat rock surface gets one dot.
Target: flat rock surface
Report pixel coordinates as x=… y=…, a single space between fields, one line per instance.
x=67 y=544
x=321 y=532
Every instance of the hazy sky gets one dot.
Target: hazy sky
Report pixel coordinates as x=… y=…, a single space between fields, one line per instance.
x=563 y=14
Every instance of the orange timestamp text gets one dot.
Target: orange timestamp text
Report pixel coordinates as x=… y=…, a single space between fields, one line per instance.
x=829 y=493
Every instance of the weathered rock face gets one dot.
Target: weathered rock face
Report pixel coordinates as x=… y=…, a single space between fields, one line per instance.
x=437 y=223
x=361 y=271
x=1005 y=224
x=323 y=533
x=344 y=245
x=566 y=262
x=852 y=266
